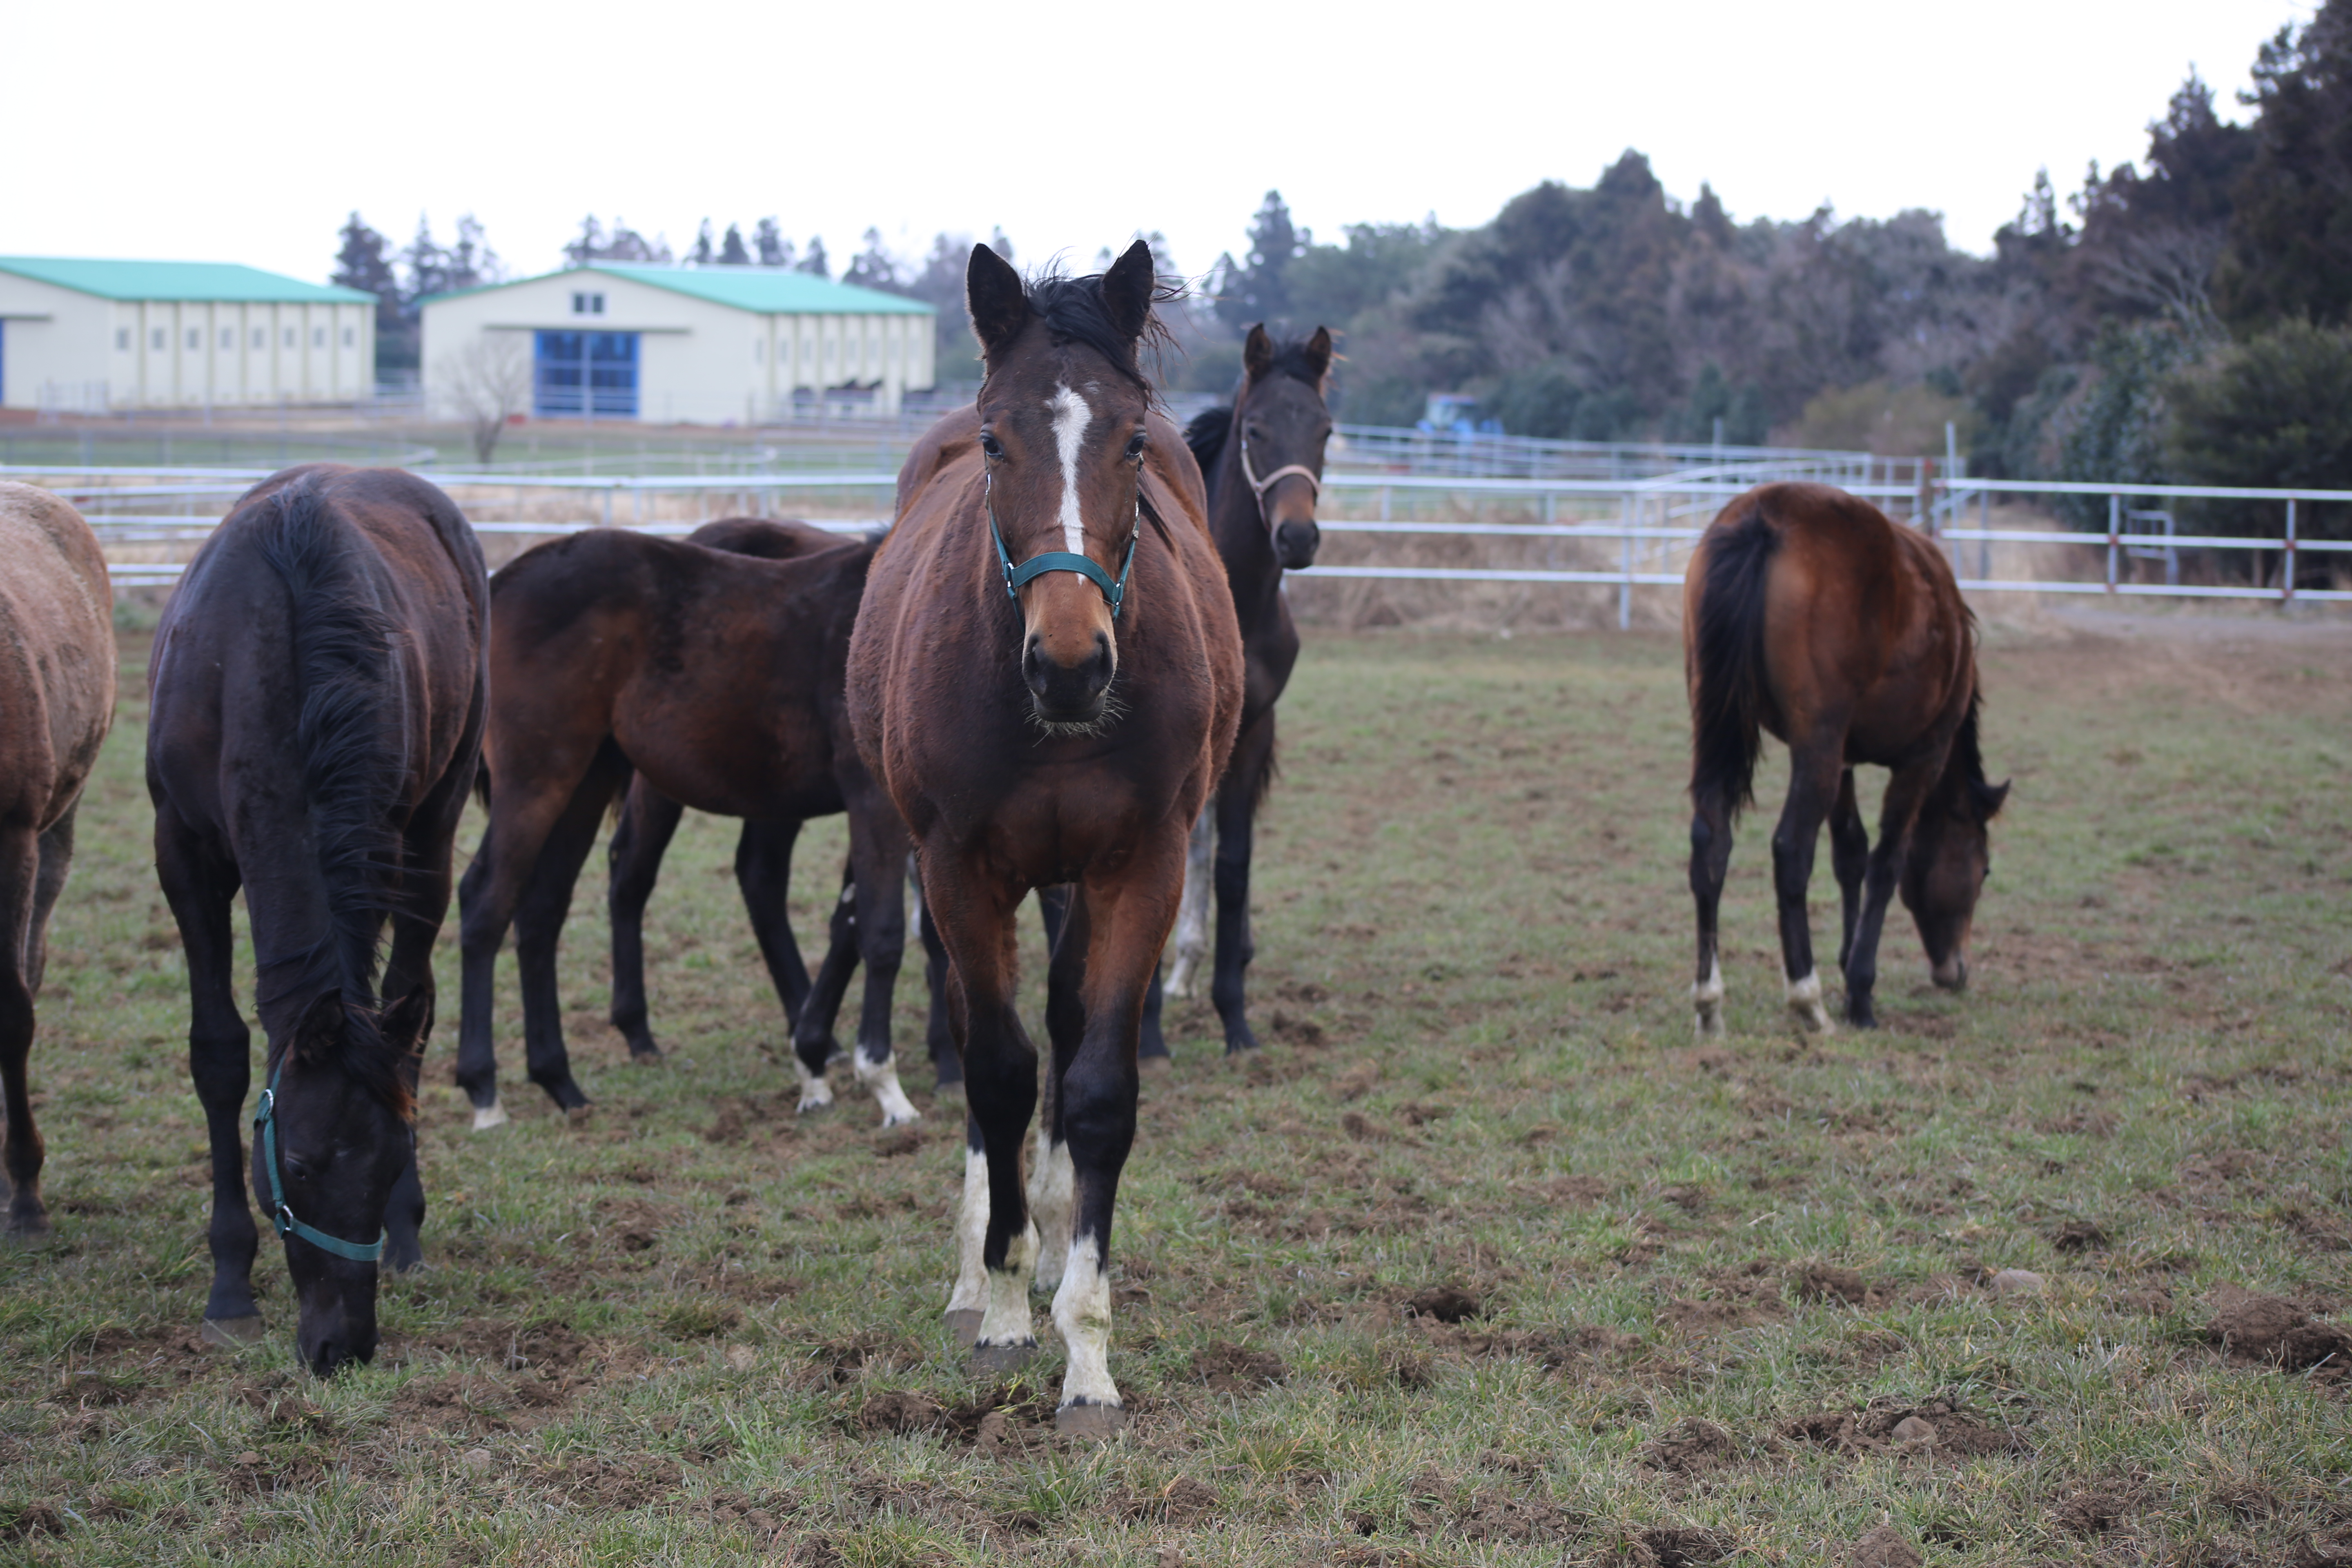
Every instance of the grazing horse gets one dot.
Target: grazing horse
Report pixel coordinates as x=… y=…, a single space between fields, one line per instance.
x=716 y=678
x=57 y=699
x=1263 y=461
x=1807 y=614
x=1046 y=677
x=317 y=708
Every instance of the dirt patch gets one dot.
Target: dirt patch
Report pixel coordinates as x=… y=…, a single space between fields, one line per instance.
x=1690 y=1447
x=2080 y=1235
x=1238 y=1369
x=1683 y=1548
x=1883 y=1548
x=551 y=1348
x=1827 y=1282
x=837 y=1361
x=2254 y=1328
x=463 y=1400
x=636 y=1482
x=1180 y=1503
x=1885 y=1425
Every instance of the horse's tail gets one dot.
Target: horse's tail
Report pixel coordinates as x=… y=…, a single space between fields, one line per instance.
x=348 y=734
x=1728 y=695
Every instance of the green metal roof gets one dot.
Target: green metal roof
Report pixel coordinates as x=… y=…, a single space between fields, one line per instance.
x=213 y=281
x=764 y=291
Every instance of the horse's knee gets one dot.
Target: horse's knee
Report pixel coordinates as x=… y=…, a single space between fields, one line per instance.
x=1098 y=1108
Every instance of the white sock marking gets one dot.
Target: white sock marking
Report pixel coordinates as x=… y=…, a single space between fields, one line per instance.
x=1051 y=1195
x=488 y=1116
x=1082 y=1316
x=1004 y=1319
x=1071 y=417
x=815 y=1093
x=1707 y=997
x=1805 y=1001
x=970 y=1293
x=1192 y=912
x=881 y=1080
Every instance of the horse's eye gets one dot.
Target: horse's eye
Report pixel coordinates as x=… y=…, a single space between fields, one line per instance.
x=990 y=445
x=1135 y=446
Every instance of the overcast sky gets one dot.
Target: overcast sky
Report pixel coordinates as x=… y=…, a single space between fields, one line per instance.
x=244 y=132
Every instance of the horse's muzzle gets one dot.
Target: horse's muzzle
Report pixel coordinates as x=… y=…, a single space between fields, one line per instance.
x=1068 y=693
x=1952 y=973
x=338 y=1323
x=1295 y=541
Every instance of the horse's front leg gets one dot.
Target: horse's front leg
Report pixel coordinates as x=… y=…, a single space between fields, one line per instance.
x=1125 y=921
x=1236 y=807
x=1905 y=791
x=996 y=1244
x=1812 y=788
x=633 y=862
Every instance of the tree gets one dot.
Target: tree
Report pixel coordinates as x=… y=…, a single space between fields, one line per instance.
x=2274 y=411
x=588 y=245
x=361 y=263
x=2291 y=221
x=774 y=250
x=874 y=266
x=623 y=243
x=487 y=382
x=1259 y=291
x=702 y=254
x=733 y=253
x=472 y=263
x=426 y=265
x=813 y=260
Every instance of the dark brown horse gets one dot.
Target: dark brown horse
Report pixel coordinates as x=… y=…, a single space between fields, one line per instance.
x=1807 y=614
x=57 y=699
x=317 y=709
x=1263 y=461
x=716 y=678
x=1046 y=677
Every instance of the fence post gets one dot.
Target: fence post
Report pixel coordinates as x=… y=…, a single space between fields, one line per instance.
x=2286 y=573
x=2115 y=530
x=1627 y=512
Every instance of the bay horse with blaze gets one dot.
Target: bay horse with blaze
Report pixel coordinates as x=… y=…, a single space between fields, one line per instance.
x=57 y=702
x=1262 y=458
x=1046 y=677
x=316 y=700
x=1808 y=615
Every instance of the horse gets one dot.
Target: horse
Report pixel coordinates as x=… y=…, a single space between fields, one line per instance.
x=1809 y=614
x=57 y=702
x=713 y=680
x=1046 y=676
x=317 y=701
x=1263 y=460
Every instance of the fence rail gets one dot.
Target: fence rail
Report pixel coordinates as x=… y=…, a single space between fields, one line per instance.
x=1655 y=520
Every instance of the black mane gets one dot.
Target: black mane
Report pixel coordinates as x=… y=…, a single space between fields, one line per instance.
x=1074 y=312
x=1206 y=435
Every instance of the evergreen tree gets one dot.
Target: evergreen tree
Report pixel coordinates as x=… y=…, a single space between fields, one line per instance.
x=2291 y=224
x=874 y=266
x=472 y=263
x=1259 y=289
x=732 y=253
x=361 y=263
x=427 y=266
x=700 y=256
x=813 y=261
x=588 y=245
x=774 y=250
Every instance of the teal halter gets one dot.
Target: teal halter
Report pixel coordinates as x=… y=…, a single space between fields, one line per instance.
x=1065 y=561
x=265 y=1127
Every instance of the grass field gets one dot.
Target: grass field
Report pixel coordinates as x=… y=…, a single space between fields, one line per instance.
x=1723 y=1304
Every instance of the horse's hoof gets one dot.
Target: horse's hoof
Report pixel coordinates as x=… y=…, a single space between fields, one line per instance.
x=404 y=1261
x=964 y=1324
x=1003 y=1358
x=28 y=1229
x=488 y=1116
x=578 y=1115
x=234 y=1333
x=1241 y=1041
x=907 y=1118
x=816 y=1097
x=1099 y=1422
x=1156 y=1067
x=651 y=1057
x=1709 y=1023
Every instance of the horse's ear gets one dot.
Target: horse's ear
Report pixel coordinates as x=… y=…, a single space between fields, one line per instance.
x=999 y=305
x=1257 y=352
x=1990 y=798
x=1318 y=352
x=320 y=1028
x=1127 y=291
x=408 y=1022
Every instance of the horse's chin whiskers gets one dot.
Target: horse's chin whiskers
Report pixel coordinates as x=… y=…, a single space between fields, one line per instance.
x=1112 y=711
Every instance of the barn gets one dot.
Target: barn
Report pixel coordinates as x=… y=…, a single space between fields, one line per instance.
x=675 y=344
x=85 y=336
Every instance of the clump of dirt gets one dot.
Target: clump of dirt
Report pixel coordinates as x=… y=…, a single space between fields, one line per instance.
x=1575 y=1191
x=2093 y=1510
x=838 y=1361
x=1237 y=1369
x=1883 y=1548
x=23 y=1520
x=602 y=1483
x=551 y=1348
x=1182 y=1501
x=1827 y=1282
x=1446 y=1303
x=898 y=1140
x=1010 y=1411
x=1672 y=1548
x=2250 y=1327
x=2080 y=1235
x=898 y=1410
x=460 y=1400
x=1936 y=1427
x=1690 y=1447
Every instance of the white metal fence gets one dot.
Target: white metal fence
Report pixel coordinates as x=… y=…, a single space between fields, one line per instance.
x=1629 y=532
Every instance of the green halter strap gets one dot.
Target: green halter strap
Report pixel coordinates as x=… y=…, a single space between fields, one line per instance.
x=1065 y=561
x=265 y=1127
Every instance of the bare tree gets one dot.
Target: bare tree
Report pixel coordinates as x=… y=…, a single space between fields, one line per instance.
x=2171 y=269
x=488 y=382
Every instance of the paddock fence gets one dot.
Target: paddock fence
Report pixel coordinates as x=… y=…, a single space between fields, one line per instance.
x=1388 y=524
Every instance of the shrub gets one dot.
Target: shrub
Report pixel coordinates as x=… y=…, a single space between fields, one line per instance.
x=2273 y=412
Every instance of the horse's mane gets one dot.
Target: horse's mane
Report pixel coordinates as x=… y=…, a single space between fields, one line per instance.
x=1966 y=767
x=1076 y=312
x=353 y=756
x=1206 y=435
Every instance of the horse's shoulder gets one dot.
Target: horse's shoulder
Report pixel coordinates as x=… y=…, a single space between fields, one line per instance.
x=954 y=437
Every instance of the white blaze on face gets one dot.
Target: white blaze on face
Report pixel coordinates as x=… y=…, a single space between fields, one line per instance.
x=1071 y=417
x=1082 y=1316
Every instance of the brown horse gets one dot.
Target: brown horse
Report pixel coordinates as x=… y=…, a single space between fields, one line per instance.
x=716 y=678
x=57 y=699
x=1263 y=460
x=1046 y=677
x=1807 y=614
x=315 y=700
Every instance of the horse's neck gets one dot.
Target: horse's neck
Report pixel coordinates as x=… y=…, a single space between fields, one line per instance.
x=1240 y=530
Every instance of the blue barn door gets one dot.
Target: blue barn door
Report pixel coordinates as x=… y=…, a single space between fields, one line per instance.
x=585 y=375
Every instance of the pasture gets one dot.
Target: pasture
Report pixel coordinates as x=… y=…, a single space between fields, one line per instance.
x=1481 y=1261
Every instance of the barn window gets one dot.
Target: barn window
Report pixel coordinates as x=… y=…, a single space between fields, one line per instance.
x=289 y=337
x=260 y=337
x=584 y=304
x=755 y=350
x=155 y=338
x=317 y=337
x=123 y=340
x=228 y=337
x=195 y=338
x=348 y=338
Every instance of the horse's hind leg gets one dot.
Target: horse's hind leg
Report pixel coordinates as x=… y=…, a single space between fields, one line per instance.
x=1236 y=808
x=57 y=860
x=539 y=924
x=763 y=874
x=1906 y=790
x=20 y=875
x=640 y=840
x=1193 y=915
x=820 y=1009
x=877 y=851
x=1710 y=837
x=938 y=1033
x=199 y=885
x=1850 y=857
x=1812 y=788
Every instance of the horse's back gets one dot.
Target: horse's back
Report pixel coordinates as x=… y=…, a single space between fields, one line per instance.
x=57 y=652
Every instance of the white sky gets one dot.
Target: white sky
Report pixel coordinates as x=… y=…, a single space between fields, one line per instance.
x=245 y=130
